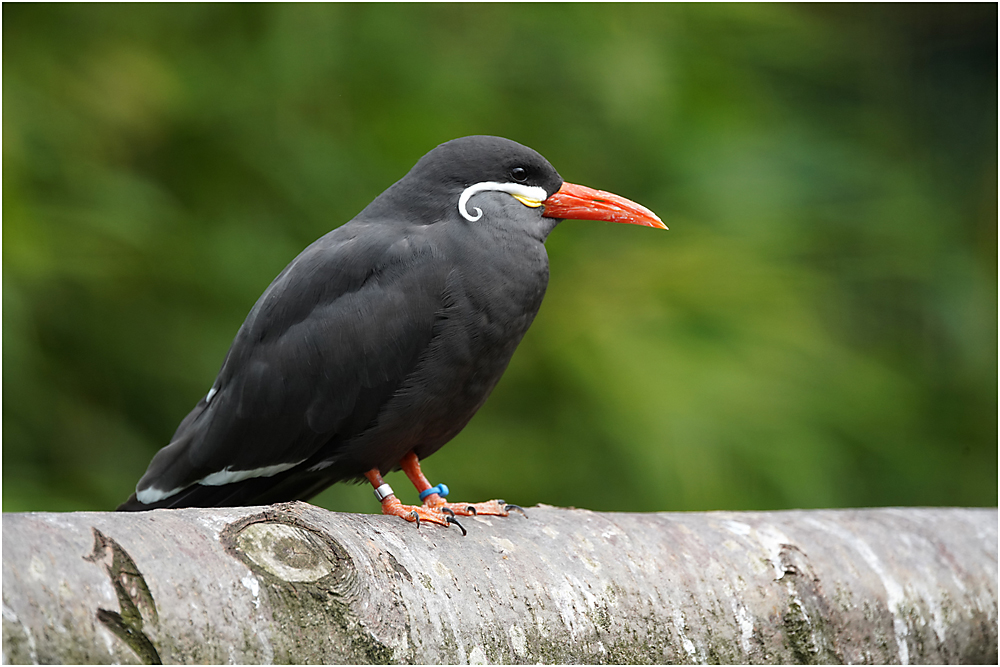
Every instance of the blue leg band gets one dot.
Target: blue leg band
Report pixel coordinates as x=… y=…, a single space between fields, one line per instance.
x=440 y=489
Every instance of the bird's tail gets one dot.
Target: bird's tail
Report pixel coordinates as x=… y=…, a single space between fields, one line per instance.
x=283 y=487
x=132 y=505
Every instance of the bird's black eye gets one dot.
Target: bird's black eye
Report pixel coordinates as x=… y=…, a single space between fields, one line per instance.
x=519 y=174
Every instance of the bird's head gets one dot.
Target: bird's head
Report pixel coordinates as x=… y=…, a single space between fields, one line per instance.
x=455 y=172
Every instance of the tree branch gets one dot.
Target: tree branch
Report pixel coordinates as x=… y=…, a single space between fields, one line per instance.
x=294 y=583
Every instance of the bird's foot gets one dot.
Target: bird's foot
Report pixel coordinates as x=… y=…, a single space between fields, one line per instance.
x=488 y=508
x=415 y=514
x=391 y=505
x=433 y=497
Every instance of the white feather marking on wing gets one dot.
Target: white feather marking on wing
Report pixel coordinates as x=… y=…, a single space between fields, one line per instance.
x=227 y=475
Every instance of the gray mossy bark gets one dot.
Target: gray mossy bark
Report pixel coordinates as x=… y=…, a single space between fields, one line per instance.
x=297 y=584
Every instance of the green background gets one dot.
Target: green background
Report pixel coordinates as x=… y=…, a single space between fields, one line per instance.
x=817 y=329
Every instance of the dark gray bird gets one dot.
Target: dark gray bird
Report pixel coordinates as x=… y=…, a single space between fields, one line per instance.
x=382 y=339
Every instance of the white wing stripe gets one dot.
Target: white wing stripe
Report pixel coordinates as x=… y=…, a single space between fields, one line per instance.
x=225 y=476
x=228 y=475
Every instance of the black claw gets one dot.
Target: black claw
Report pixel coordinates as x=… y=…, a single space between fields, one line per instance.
x=470 y=508
x=452 y=519
x=416 y=517
x=515 y=508
x=447 y=510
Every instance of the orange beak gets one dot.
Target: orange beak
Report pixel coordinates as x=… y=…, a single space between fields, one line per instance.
x=578 y=202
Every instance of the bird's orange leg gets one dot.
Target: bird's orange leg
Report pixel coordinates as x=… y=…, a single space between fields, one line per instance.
x=392 y=506
x=433 y=496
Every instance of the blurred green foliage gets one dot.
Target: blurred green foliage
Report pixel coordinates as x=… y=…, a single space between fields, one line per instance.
x=818 y=328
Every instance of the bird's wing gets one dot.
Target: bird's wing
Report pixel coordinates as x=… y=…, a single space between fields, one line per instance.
x=322 y=350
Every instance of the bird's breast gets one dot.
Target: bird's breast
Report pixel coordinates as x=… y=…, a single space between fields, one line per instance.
x=491 y=298
x=488 y=303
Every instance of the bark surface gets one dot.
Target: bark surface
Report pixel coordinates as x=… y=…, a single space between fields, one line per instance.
x=297 y=584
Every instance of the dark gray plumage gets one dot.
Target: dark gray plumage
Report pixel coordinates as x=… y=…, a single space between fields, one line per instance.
x=384 y=336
